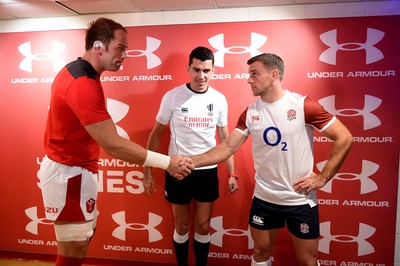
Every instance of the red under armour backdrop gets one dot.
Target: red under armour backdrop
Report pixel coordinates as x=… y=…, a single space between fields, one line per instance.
x=350 y=65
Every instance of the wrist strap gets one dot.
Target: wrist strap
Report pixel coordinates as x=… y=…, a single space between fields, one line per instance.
x=236 y=176
x=155 y=159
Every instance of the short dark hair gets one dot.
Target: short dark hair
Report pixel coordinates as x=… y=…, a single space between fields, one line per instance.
x=201 y=53
x=270 y=62
x=102 y=29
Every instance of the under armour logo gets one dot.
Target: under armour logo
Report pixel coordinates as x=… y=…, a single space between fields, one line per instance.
x=367 y=185
x=217 y=41
x=373 y=54
x=26 y=63
x=32 y=226
x=120 y=231
x=371 y=104
x=364 y=247
x=216 y=238
x=152 y=45
x=118 y=110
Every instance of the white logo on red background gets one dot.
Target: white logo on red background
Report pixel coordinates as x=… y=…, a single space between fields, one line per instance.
x=367 y=185
x=372 y=54
x=217 y=237
x=33 y=225
x=217 y=41
x=55 y=56
x=152 y=44
x=118 y=110
x=365 y=231
x=371 y=103
x=153 y=234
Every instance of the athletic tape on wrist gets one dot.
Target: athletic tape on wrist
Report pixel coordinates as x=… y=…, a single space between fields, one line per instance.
x=155 y=159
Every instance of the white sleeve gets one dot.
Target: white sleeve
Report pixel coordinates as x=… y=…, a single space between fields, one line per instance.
x=164 y=114
x=245 y=132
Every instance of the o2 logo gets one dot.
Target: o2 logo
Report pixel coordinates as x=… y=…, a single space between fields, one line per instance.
x=273 y=133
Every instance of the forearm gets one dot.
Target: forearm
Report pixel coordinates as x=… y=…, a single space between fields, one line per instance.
x=337 y=156
x=152 y=145
x=153 y=142
x=132 y=152
x=214 y=156
x=230 y=163
x=105 y=134
x=222 y=151
x=127 y=151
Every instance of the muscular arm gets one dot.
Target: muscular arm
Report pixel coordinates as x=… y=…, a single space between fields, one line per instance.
x=342 y=142
x=154 y=140
x=152 y=144
x=223 y=133
x=155 y=136
x=222 y=151
x=105 y=134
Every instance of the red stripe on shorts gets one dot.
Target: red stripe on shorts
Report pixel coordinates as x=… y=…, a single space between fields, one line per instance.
x=72 y=211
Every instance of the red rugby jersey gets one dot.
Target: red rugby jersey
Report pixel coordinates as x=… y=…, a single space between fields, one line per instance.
x=77 y=99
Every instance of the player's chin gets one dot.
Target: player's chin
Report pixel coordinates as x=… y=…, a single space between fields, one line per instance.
x=115 y=68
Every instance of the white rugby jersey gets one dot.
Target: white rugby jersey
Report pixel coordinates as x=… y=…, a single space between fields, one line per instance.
x=193 y=118
x=282 y=145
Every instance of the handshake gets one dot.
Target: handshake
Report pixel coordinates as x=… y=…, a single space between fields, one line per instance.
x=179 y=166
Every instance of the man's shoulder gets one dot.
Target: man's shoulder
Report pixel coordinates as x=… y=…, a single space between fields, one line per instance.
x=81 y=68
x=176 y=89
x=215 y=92
x=295 y=95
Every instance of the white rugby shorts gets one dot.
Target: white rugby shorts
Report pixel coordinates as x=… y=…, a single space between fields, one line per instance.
x=69 y=192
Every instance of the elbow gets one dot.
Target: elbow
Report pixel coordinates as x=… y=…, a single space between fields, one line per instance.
x=349 y=141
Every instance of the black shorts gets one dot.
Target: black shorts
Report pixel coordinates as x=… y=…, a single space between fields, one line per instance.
x=301 y=220
x=201 y=185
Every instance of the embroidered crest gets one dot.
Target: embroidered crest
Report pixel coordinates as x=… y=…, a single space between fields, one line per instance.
x=210 y=108
x=304 y=228
x=90 y=205
x=291 y=115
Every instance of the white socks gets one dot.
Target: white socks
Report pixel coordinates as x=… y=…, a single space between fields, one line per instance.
x=202 y=238
x=179 y=238
x=183 y=238
x=268 y=262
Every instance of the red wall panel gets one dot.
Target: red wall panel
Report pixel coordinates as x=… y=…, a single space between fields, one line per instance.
x=350 y=65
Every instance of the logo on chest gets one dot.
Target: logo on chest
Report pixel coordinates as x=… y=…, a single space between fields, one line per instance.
x=291 y=115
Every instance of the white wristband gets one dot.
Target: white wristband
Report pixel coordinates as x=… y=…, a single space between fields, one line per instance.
x=154 y=159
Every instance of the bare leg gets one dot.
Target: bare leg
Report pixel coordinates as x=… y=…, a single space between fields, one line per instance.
x=264 y=241
x=181 y=235
x=201 y=243
x=306 y=251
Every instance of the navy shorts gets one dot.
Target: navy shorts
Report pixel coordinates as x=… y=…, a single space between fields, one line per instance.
x=200 y=185
x=301 y=220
